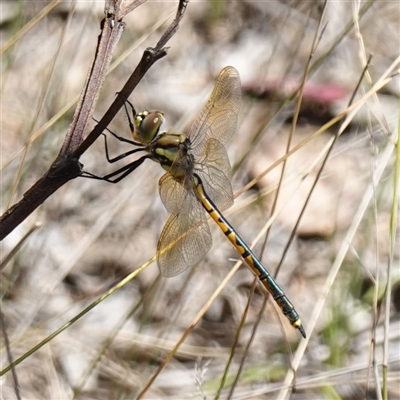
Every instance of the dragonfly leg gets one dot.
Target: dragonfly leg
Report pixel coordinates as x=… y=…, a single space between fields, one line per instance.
x=131 y=127
x=119 y=174
x=120 y=138
x=121 y=156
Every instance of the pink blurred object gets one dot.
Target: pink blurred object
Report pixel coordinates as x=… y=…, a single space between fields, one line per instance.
x=326 y=93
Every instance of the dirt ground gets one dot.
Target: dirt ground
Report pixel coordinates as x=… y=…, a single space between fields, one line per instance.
x=92 y=234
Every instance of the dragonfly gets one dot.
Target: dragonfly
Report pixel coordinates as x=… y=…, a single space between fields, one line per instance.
x=197 y=182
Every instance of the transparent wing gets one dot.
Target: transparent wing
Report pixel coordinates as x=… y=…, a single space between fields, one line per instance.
x=215 y=172
x=218 y=118
x=174 y=196
x=186 y=237
x=184 y=241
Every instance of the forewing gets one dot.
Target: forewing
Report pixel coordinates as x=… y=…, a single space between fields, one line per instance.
x=184 y=241
x=218 y=118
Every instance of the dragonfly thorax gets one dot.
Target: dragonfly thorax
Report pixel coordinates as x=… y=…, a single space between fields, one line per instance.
x=168 y=147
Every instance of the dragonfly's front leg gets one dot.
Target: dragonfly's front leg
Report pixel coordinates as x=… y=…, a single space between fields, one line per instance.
x=121 y=156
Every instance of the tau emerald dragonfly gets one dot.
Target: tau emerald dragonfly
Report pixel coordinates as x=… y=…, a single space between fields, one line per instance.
x=197 y=182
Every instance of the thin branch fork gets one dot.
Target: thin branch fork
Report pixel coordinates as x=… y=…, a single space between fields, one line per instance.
x=67 y=165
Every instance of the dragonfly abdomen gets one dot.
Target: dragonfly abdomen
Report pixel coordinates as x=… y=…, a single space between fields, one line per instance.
x=252 y=261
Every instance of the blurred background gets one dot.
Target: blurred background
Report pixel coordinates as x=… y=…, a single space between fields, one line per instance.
x=92 y=234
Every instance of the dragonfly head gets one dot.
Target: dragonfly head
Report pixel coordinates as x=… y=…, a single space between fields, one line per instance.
x=146 y=125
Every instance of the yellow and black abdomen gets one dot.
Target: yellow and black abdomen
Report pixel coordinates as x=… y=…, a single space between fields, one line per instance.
x=252 y=261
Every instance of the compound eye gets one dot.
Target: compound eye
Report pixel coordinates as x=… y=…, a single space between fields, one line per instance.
x=147 y=124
